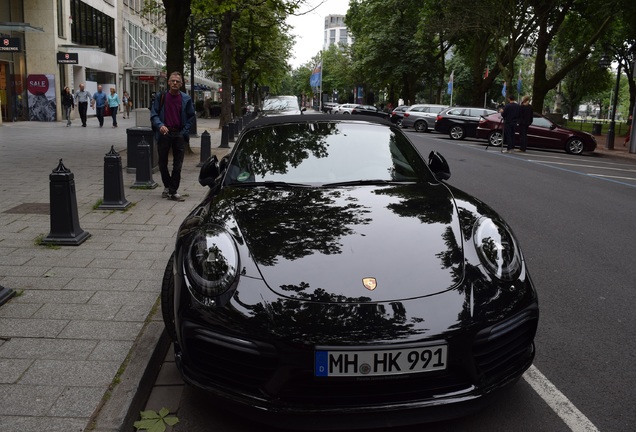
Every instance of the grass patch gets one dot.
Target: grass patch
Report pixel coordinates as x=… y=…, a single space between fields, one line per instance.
x=39 y=241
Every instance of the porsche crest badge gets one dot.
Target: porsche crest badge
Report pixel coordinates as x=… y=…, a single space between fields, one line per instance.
x=369 y=283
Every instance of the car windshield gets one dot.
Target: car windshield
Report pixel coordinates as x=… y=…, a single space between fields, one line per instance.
x=320 y=153
x=283 y=103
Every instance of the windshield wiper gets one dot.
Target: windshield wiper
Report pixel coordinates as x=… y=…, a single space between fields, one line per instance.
x=271 y=184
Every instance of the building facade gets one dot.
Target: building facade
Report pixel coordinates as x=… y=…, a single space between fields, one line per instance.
x=335 y=33
x=46 y=45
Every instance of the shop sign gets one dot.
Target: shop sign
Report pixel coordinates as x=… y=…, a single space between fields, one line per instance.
x=67 y=58
x=146 y=78
x=10 y=45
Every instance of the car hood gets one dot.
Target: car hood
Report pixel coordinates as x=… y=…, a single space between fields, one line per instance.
x=351 y=244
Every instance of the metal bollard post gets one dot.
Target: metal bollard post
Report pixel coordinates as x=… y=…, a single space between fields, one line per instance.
x=65 y=228
x=240 y=123
x=224 y=137
x=205 y=148
x=114 y=197
x=143 y=177
x=230 y=129
x=236 y=128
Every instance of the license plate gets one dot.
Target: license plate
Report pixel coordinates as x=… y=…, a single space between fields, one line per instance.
x=358 y=363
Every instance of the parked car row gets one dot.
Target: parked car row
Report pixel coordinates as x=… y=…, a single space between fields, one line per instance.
x=483 y=123
x=457 y=122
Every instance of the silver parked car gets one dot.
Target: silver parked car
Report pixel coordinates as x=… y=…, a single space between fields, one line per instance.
x=421 y=117
x=344 y=108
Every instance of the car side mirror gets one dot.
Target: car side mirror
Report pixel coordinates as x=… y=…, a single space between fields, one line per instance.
x=552 y=126
x=437 y=163
x=210 y=170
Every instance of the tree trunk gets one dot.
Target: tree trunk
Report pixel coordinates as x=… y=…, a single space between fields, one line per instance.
x=177 y=13
x=226 y=61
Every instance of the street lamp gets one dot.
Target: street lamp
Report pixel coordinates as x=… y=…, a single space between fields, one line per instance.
x=211 y=40
x=606 y=62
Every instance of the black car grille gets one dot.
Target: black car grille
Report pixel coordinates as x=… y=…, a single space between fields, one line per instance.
x=261 y=369
x=281 y=373
x=227 y=361
x=506 y=346
x=342 y=392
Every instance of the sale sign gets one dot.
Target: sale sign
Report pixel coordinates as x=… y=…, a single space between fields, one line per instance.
x=37 y=84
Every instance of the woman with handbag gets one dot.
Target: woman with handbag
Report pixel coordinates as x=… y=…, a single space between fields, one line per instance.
x=113 y=103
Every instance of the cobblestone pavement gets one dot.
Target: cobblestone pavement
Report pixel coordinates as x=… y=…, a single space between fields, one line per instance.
x=82 y=317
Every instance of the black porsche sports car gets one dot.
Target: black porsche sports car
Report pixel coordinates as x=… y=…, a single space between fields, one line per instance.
x=332 y=276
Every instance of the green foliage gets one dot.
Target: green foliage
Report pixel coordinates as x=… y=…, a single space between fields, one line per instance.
x=153 y=421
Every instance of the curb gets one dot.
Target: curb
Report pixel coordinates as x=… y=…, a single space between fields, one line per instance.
x=122 y=407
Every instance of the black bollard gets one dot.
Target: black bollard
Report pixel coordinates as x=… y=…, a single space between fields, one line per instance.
x=143 y=177
x=240 y=124
x=205 y=148
x=230 y=129
x=114 y=198
x=5 y=294
x=224 y=137
x=65 y=228
x=236 y=128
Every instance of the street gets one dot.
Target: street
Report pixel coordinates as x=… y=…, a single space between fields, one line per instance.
x=573 y=216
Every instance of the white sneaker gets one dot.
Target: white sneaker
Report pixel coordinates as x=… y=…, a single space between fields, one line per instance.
x=176 y=197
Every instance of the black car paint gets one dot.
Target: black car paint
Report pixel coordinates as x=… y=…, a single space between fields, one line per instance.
x=255 y=346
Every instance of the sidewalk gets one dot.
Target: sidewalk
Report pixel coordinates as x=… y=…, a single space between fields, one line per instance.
x=80 y=332
x=620 y=149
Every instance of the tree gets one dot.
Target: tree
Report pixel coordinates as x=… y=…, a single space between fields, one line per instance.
x=387 y=52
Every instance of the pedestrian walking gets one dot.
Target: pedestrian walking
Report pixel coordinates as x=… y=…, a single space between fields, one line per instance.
x=172 y=114
x=99 y=101
x=526 y=115
x=125 y=100
x=113 y=105
x=510 y=115
x=68 y=103
x=82 y=98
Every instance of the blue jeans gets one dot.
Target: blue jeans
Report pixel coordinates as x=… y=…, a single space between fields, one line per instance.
x=113 y=114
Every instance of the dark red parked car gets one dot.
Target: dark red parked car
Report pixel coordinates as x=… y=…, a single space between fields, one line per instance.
x=542 y=133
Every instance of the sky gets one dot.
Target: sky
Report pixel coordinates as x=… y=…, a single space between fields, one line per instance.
x=309 y=28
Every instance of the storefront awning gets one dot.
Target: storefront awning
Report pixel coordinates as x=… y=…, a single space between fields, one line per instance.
x=19 y=27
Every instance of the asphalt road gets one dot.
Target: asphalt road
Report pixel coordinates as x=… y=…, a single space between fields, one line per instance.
x=574 y=217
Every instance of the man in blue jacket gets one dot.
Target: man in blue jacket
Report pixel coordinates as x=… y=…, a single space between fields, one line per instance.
x=172 y=114
x=99 y=102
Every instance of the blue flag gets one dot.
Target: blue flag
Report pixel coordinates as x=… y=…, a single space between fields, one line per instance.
x=316 y=76
x=450 y=83
x=519 y=83
x=503 y=90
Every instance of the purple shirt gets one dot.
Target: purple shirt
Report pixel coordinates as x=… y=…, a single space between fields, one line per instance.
x=172 y=110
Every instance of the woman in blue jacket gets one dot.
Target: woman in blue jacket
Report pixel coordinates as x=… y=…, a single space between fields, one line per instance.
x=113 y=103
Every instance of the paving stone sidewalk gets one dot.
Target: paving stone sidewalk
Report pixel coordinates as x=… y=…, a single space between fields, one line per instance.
x=83 y=317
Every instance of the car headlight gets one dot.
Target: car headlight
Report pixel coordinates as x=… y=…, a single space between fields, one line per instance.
x=211 y=263
x=497 y=249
